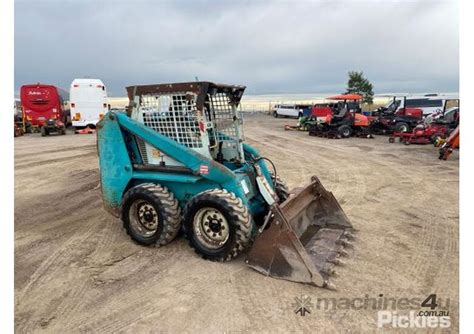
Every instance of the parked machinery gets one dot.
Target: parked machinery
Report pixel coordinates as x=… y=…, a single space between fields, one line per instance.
x=43 y=107
x=431 y=130
x=180 y=156
x=17 y=130
x=450 y=145
x=88 y=104
x=343 y=122
x=404 y=113
x=18 y=122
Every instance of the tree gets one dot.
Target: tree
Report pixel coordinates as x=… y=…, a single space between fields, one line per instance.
x=357 y=84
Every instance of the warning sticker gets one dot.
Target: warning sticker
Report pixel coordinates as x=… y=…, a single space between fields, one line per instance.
x=203 y=169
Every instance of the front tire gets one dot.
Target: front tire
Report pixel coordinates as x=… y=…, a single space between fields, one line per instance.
x=217 y=225
x=44 y=132
x=344 y=131
x=150 y=214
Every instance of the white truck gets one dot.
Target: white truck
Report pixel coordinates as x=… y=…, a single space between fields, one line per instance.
x=290 y=110
x=88 y=99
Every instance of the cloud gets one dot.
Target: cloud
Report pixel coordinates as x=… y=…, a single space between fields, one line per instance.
x=285 y=46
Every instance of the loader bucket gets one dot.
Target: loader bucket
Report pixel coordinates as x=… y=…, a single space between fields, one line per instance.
x=304 y=238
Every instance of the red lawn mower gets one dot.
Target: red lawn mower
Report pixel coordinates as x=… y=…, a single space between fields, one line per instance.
x=438 y=125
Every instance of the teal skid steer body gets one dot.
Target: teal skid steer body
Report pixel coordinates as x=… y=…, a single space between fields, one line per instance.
x=177 y=159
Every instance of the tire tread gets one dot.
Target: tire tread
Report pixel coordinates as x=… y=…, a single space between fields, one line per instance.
x=242 y=221
x=171 y=212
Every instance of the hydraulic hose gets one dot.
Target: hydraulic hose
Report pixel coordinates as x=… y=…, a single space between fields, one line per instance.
x=273 y=167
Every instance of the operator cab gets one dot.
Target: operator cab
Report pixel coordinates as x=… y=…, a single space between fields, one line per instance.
x=202 y=116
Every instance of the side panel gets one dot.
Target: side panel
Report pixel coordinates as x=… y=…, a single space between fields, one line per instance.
x=360 y=120
x=117 y=172
x=114 y=163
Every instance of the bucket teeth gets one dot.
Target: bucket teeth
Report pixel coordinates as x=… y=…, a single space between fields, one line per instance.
x=329 y=285
x=343 y=253
x=348 y=235
x=349 y=244
x=337 y=262
x=329 y=272
x=345 y=243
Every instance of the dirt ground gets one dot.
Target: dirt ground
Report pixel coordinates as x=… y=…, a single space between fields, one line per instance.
x=76 y=270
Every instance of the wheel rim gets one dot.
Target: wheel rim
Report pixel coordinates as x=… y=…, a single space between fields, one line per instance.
x=211 y=228
x=403 y=128
x=346 y=132
x=143 y=218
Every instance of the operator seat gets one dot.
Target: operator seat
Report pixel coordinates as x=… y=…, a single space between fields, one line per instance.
x=340 y=113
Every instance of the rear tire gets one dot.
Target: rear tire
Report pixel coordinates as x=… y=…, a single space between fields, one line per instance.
x=217 y=225
x=151 y=214
x=275 y=114
x=402 y=127
x=44 y=132
x=345 y=131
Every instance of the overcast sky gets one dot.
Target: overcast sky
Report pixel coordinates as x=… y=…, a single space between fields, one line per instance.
x=285 y=47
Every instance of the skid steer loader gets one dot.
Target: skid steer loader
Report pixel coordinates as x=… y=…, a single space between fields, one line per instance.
x=178 y=157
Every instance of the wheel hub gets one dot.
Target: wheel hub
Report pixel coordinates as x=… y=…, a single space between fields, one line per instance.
x=211 y=228
x=215 y=225
x=144 y=217
x=148 y=216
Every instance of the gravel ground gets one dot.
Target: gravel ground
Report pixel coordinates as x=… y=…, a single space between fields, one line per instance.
x=76 y=270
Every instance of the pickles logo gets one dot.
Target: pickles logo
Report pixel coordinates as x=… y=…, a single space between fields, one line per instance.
x=433 y=317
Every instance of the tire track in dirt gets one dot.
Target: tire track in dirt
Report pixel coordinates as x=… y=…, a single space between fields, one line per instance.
x=51 y=161
x=92 y=239
x=357 y=185
x=133 y=311
x=428 y=234
x=50 y=267
x=431 y=240
x=134 y=295
x=46 y=152
x=70 y=306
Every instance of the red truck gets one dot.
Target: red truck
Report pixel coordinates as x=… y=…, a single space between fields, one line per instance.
x=43 y=108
